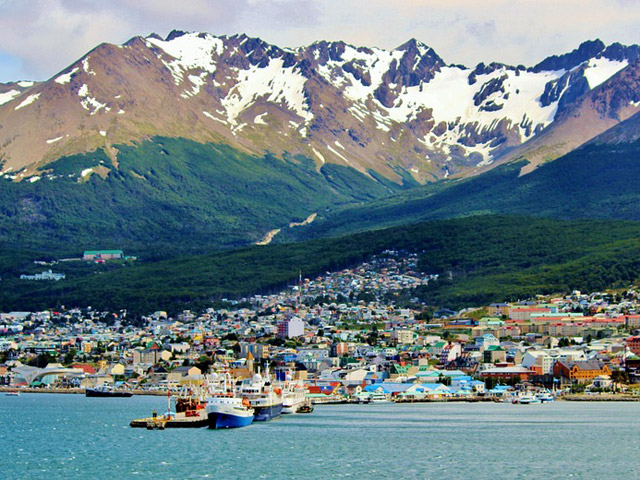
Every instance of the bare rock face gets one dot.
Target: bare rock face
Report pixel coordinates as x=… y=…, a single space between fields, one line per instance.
x=390 y=111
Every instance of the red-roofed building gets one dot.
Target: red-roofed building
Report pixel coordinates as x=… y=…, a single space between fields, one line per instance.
x=85 y=367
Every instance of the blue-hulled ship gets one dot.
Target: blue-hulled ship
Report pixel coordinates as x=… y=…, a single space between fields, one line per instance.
x=228 y=411
x=224 y=408
x=264 y=398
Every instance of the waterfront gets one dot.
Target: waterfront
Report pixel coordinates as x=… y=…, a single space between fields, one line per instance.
x=70 y=436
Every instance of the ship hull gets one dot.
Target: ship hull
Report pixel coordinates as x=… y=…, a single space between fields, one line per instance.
x=267 y=412
x=97 y=393
x=223 y=420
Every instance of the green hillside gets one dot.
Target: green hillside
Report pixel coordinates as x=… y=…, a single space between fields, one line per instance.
x=592 y=182
x=171 y=195
x=480 y=259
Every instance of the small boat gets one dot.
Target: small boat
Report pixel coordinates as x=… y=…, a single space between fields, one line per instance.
x=376 y=397
x=12 y=394
x=545 y=397
x=106 y=391
x=305 y=408
x=528 y=399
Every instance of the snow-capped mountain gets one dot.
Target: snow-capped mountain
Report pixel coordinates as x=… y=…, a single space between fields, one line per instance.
x=401 y=113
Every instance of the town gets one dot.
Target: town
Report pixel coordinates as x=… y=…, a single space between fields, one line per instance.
x=347 y=337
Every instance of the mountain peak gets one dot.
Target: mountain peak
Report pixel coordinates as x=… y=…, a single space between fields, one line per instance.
x=586 y=50
x=413 y=45
x=175 y=34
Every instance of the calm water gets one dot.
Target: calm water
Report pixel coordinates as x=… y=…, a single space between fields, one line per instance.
x=70 y=436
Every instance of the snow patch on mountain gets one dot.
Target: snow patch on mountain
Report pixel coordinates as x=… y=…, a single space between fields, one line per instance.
x=258 y=120
x=451 y=98
x=6 y=97
x=85 y=66
x=338 y=154
x=319 y=155
x=66 y=77
x=190 y=51
x=273 y=83
x=599 y=70
x=197 y=81
x=28 y=101
x=212 y=117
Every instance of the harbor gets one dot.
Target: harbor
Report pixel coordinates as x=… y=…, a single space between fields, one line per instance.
x=338 y=441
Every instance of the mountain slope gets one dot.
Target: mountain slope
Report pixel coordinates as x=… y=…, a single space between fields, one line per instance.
x=401 y=113
x=583 y=113
x=170 y=196
x=598 y=180
x=487 y=258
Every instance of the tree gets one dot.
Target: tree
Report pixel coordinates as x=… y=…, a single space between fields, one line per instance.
x=41 y=361
x=69 y=356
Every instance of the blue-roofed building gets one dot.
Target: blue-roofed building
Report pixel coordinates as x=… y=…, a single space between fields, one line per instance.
x=501 y=390
x=388 y=388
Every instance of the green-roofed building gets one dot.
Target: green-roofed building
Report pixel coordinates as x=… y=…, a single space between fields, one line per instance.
x=93 y=255
x=494 y=353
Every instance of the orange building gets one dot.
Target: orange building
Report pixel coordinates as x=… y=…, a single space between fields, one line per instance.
x=581 y=371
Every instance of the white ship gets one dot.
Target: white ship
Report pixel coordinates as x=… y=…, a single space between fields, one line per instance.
x=294 y=395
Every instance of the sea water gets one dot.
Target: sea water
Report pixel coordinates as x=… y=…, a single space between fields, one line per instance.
x=70 y=436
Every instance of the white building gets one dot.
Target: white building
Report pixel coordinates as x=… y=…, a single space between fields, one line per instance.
x=290 y=327
x=539 y=358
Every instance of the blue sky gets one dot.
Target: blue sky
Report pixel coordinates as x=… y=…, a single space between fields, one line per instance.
x=38 y=38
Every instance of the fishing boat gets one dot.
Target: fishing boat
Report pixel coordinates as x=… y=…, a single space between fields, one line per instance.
x=106 y=391
x=264 y=398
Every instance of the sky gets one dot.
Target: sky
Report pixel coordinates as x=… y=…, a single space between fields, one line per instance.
x=39 y=38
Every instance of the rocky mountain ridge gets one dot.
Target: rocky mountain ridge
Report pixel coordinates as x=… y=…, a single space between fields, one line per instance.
x=403 y=113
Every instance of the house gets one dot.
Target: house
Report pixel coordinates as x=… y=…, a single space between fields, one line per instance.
x=46 y=275
x=603 y=382
x=147 y=356
x=487 y=340
x=499 y=309
x=494 y=354
x=539 y=358
x=117 y=369
x=506 y=373
x=5 y=375
x=450 y=352
x=403 y=336
x=633 y=344
x=580 y=371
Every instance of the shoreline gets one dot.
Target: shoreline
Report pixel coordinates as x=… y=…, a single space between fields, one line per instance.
x=73 y=391
x=566 y=398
